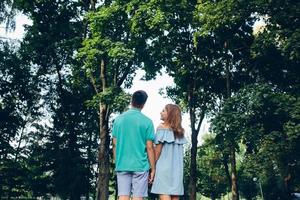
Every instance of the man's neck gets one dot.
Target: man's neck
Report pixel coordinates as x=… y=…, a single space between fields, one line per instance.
x=136 y=108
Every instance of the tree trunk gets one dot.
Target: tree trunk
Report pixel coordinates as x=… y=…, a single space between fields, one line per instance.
x=116 y=188
x=287 y=182
x=234 y=186
x=193 y=165
x=103 y=156
x=225 y=164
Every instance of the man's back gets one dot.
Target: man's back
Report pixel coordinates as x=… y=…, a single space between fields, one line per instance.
x=132 y=129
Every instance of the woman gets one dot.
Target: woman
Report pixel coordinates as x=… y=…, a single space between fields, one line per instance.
x=169 y=140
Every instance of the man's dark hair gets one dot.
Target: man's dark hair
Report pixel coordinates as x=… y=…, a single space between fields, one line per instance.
x=139 y=98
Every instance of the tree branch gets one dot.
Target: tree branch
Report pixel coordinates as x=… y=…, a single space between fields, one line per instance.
x=94 y=84
x=125 y=74
x=200 y=121
x=103 y=74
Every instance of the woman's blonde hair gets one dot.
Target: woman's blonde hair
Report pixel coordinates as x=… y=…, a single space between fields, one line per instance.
x=174 y=119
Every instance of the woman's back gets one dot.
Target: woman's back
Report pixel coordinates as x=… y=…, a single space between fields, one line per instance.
x=169 y=166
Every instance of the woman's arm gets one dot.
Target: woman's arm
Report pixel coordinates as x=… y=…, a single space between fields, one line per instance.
x=157 y=150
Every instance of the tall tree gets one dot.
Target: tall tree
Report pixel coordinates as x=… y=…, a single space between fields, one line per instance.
x=171 y=28
x=111 y=56
x=49 y=44
x=19 y=109
x=229 y=23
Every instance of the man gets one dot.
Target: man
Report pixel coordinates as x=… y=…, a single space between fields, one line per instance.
x=133 y=135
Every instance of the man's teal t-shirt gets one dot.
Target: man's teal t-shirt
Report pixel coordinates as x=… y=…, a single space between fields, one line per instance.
x=132 y=129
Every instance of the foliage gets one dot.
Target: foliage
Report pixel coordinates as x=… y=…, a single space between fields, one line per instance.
x=19 y=109
x=60 y=147
x=258 y=116
x=212 y=181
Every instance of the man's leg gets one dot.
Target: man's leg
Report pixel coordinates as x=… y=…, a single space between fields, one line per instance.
x=175 y=197
x=124 y=185
x=124 y=197
x=140 y=185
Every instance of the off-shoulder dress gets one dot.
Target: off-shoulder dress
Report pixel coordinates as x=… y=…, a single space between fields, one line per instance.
x=169 y=167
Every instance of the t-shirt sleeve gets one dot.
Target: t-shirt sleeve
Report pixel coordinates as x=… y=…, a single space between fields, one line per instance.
x=114 y=129
x=150 y=132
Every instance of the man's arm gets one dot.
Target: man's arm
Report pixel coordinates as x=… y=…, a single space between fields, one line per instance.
x=114 y=148
x=151 y=157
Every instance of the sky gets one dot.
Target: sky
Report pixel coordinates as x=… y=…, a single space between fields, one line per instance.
x=155 y=102
x=19 y=31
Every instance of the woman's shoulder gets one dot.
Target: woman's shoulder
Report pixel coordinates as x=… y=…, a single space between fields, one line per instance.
x=163 y=126
x=164 y=134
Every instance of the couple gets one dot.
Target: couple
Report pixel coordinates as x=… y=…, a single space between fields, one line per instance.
x=133 y=138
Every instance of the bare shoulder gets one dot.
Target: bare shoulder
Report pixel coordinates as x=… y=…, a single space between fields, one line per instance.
x=162 y=126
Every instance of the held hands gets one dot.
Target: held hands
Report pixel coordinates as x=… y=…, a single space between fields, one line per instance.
x=151 y=176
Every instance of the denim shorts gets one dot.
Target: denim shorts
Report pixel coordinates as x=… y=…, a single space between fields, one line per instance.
x=135 y=183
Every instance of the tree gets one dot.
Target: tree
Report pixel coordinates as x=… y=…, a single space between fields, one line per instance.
x=211 y=175
x=229 y=24
x=111 y=56
x=66 y=145
x=258 y=116
x=19 y=109
x=171 y=29
x=249 y=58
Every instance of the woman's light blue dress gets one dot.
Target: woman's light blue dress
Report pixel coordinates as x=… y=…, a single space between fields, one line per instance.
x=169 y=167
